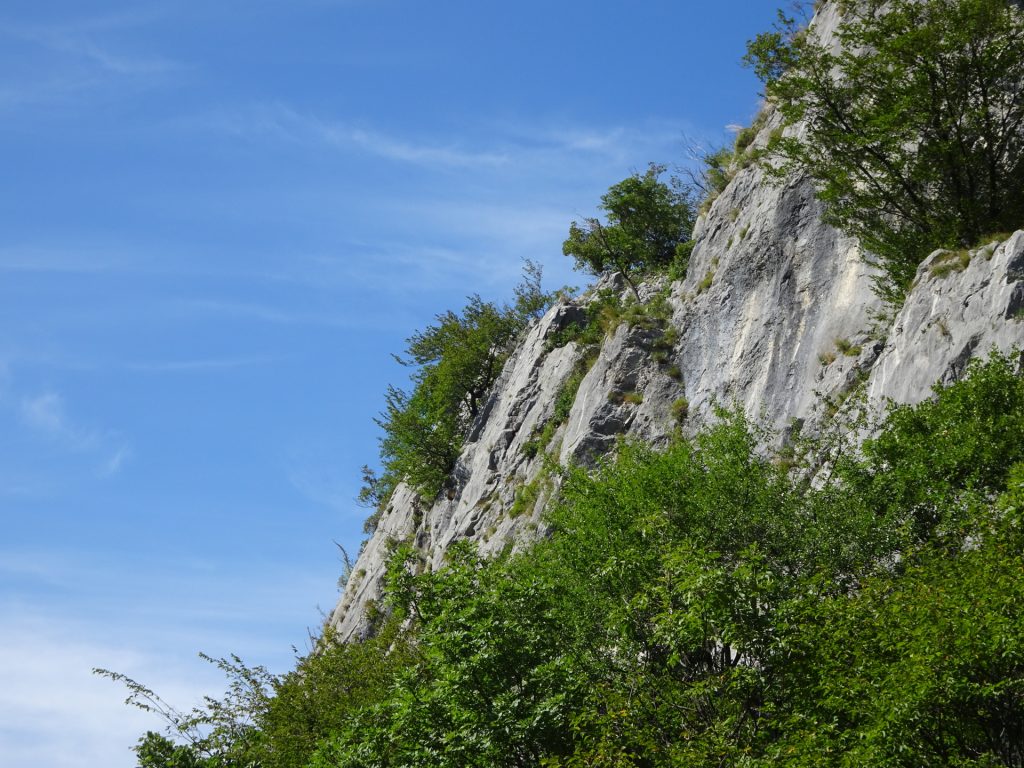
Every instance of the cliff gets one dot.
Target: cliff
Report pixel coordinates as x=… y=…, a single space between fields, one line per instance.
x=776 y=315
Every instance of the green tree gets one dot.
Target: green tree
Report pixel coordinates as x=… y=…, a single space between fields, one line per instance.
x=155 y=750
x=327 y=689
x=456 y=360
x=914 y=124
x=647 y=220
x=494 y=679
x=221 y=733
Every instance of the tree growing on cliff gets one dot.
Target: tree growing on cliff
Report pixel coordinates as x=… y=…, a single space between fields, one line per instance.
x=647 y=221
x=914 y=123
x=456 y=360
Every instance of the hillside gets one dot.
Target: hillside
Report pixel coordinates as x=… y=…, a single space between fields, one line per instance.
x=776 y=314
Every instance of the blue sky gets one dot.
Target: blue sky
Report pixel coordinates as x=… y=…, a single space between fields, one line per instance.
x=218 y=221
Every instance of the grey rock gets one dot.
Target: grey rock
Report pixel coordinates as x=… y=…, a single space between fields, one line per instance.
x=951 y=317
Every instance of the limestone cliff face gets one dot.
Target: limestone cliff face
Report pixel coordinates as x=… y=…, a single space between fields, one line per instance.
x=775 y=314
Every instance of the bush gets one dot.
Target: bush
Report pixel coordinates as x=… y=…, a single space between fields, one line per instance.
x=680 y=409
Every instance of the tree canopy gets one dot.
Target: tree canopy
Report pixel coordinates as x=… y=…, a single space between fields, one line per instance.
x=913 y=125
x=647 y=220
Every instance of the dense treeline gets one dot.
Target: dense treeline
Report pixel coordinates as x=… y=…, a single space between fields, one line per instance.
x=705 y=605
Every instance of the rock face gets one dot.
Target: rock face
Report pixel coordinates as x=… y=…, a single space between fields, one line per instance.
x=776 y=314
x=962 y=305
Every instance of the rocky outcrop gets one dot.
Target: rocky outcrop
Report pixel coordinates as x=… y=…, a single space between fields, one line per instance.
x=963 y=304
x=776 y=315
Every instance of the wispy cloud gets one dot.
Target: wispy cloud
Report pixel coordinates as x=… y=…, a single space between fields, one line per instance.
x=393 y=149
x=114 y=463
x=80 y=39
x=281 y=122
x=81 y=45
x=78 y=57
x=46 y=415
x=45 y=412
x=197 y=366
x=507 y=144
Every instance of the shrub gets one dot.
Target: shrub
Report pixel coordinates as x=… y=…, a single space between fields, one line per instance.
x=680 y=409
x=846 y=347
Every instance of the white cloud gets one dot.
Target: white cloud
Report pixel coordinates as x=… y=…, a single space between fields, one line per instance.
x=505 y=146
x=112 y=465
x=45 y=412
x=63 y=615
x=46 y=415
x=277 y=121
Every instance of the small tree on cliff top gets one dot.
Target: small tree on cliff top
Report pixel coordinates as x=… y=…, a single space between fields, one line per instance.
x=647 y=220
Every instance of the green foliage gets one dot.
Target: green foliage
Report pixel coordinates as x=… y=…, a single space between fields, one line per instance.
x=920 y=669
x=531 y=301
x=157 y=751
x=914 y=130
x=456 y=360
x=681 y=260
x=222 y=733
x=680 y=409
x=603 y=315
x=847 y=347
x=494 y=680
x=714 y=175
x=702 y=605
x=567 y=393
x=949 y=262
x=745 y=136
x=706 y=281
x=646 y=221
x=327 y=688
x=960 y=445
x=526 y=497
x=540 y=439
